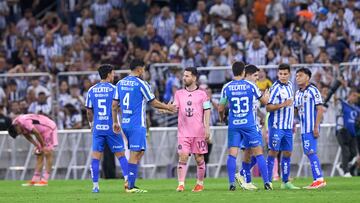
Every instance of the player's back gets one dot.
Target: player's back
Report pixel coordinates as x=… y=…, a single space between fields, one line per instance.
x=133 y=94
x=100 y=100
x=241 y=95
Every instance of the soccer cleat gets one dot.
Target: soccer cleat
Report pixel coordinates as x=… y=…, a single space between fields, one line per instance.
x=29 y=183
x=232 y=188
x=136 y=190
x=289 y=186
x=249 y=186
x=316 y=185
x=347 y=175
x=41 y=183
x=95 y=190
x=180 y=188
x=268 y=186
x=240 y=180
x=198 y=188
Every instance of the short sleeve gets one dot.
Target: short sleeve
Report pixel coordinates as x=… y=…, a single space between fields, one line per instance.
x=274 y=91
x=116 y=93
x=223 y=97
x=206 y=102
x=315 y=93
x=88 y=102
x=146 y=91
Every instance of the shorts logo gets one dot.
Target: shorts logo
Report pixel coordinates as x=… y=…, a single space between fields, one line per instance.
x=102 y=127
x=306 y=144
x=274 y=143
x=179 y=147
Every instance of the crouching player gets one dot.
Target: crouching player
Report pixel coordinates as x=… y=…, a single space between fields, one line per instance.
x=45 y=132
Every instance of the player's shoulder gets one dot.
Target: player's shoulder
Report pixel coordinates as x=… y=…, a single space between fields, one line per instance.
x=251 y=84
x=201 y=92
x=227 y=84
x=313 y=89
x=92 y=87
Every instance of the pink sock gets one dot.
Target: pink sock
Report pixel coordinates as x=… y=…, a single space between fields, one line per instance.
x=181 y=170
x=46 y=176
x=36 y=177
x=201 y=171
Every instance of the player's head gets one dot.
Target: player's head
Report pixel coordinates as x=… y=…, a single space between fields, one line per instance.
x=303 y=76
x=106 y=72
x=137 y=66
x=353 y=96
x=238 y=68
x=251 y=73
x=190 y=76
x=284 y=72
x=12 y=130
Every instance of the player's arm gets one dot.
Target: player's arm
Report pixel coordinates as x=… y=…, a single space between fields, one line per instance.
x=207 y=114
x=222 y=104
x=320 y=111
x=264 y=99
x=38 y=137
x=273 y=107
x=167 y=107
x=90 y=117
x=115 y=110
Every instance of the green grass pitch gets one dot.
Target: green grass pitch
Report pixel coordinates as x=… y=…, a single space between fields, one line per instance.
x=338 y=190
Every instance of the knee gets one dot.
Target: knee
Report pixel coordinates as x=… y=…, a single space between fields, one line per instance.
x=199 y=159
x=286 y=154
x=183 y=158
x=273 y=153
x=119 y=154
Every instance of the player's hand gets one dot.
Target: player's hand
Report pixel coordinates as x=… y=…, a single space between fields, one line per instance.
x=37 y=151
x=288 y=102
x=207 y=135
x=266 y=94
x=116 y=128
x=172 y=108
x=316 y=133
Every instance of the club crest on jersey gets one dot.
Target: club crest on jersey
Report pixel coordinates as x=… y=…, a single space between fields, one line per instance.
x=189 y=112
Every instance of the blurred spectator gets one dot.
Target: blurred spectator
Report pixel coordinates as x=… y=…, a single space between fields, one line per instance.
x=14 y=109
x=172 y=84
x=263 y=83
x=24 y=23
x=176 y=49
x=71 y=10
x=76 y=99
x=151 y=37
x=5 y=121
x=12 y=92
x=336 y=49
x=4 y=12
x=256 y=54
x=37 y=87
x=73 y=117
x=165 y=25
x=85 y=20
x=274 y=12
x=49 y=50
x=136 y=11
x=101 y=10
x=221 y=9
x=316 y=41
x=41 y=106
x=197 y=17
x=114 y=50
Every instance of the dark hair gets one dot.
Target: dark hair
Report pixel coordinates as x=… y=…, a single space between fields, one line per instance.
x=284 y=66
x=136 y=63
x=12 y=131
x=251 y=69
x=192 y=70
x=104 y=70
x=238 y=68
x=304 y=70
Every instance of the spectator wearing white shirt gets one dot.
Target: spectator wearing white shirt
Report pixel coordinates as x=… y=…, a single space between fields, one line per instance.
x=65 y=38
x=75 y=98
x=275 y=12
x=322 y=20
x=221 y=9
x=41 y=106
x=23 y=24
x=165 y=25
x=4 y=12
x=196 y=17
x=176 y=49
x=85 y=20
x=217 y=58
x=316 y=42
x=349 y=14
x=73 y=118
x=49 y=50
x=101 y=11
x=64 y=95
x=37 y=87
x=256 y=53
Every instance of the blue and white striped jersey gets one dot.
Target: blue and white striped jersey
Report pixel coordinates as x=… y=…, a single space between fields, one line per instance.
x=99 y=98
x=133 y=94
x=306 y=102
x=282 y=118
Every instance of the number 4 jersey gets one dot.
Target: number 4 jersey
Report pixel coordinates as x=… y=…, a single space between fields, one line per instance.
x=99 y=98
x=241 y=95
x=133 y=94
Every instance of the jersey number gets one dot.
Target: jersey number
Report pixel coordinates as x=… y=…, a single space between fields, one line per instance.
x=126 y=100
x=102 y=107
x=241 y=105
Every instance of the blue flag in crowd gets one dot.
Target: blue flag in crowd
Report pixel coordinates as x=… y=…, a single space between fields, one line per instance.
x=350 y=115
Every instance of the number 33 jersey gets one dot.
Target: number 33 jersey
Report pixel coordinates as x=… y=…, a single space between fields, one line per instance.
x=241 y=95
x=99 y=98
x=133 y=94
x=191 y=107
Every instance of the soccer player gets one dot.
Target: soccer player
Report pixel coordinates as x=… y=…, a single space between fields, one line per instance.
x=308 y=103
x=132 y=94
x=280 y=124
x=242 y=126
x=193 y=127
x=98 y=103
x=244 y=176
x=45 y=131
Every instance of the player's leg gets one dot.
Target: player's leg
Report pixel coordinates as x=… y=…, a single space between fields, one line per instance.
x=48 y=155
x=244 y=177
x=286 y=147
x=275 y=137
x=116 y=145
x=37 y=173
x=137 y=146
x=310 y=150
x=98 y=148
x=199 y=148
x=184 y=149
x=234 y=143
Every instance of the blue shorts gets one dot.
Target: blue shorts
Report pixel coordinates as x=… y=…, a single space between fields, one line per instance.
x=115 y=143
x=242 y=146
x=244 y=137
x=136 y=138
x=280 y=139
x=309 y=143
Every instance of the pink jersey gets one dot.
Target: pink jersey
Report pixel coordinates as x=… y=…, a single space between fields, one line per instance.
x=191 y=112
x=46 y=127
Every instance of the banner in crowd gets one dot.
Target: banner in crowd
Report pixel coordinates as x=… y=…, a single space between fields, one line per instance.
x=350 y=115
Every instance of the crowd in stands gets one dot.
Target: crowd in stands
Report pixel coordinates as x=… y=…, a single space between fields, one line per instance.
x=78 y=35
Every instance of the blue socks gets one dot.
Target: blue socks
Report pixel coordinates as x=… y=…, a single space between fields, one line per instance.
x=231 y=168
x=270 y=166
x=253 y=162
x=263 y=168
x=315 y=166
x=133 y=169
x=124 y=166
x=246 y=171
x=285 y=168
x=95 y=170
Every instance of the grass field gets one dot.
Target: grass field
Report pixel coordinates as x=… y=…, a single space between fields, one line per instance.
x=338 y=190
